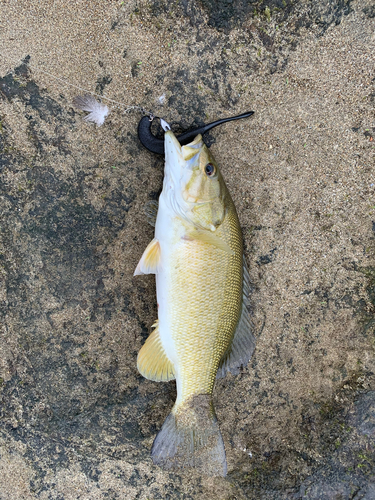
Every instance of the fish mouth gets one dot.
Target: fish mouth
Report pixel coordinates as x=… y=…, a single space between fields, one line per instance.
x=173 y=149
x=177 y=156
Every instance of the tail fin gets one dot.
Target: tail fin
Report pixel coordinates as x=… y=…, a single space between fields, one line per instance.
x=190 y=437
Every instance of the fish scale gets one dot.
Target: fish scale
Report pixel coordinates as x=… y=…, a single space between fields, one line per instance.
x=205 y=301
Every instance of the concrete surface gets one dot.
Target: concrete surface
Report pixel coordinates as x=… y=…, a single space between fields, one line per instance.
x=77 y=420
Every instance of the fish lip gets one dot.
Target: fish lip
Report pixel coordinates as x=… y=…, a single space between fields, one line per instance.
x=174 y=162
x=172 y=146
x=174 y=150
x=177 y=165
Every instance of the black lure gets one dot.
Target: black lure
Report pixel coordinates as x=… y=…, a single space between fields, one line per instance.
x=156 y=145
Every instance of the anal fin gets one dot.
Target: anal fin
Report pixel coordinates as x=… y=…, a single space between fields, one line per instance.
x=152 y=362
x=243 y=344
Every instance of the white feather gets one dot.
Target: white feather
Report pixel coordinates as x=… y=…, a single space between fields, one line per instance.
x=97 y=110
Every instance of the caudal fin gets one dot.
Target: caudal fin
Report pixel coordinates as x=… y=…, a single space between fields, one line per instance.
x=190 y=437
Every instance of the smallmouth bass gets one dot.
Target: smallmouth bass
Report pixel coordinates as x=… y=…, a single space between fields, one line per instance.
x=203 y=328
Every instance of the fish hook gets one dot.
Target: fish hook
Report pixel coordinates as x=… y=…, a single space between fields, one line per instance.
x=156 y=145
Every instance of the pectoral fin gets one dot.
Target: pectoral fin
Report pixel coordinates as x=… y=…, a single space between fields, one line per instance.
x=243 y=343
x=151 y=259
x=210 y=239
x=152 y=362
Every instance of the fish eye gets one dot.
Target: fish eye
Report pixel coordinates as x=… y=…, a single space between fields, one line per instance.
x=210 y=169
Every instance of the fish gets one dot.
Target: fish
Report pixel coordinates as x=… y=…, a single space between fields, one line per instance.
x=204 y=328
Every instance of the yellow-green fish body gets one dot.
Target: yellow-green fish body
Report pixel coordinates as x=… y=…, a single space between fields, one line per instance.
x=203 y=324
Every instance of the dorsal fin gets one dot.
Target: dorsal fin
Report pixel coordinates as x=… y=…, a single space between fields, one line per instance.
x=152 y=362
x=243 y=343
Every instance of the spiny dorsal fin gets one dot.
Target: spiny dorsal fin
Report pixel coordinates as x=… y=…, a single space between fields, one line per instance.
x=243 y=343
x=150 y=260
x=151 y=211
x=152 y=362
x=209 y=238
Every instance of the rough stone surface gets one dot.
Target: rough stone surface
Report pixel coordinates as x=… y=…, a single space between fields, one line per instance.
x=77 y=420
